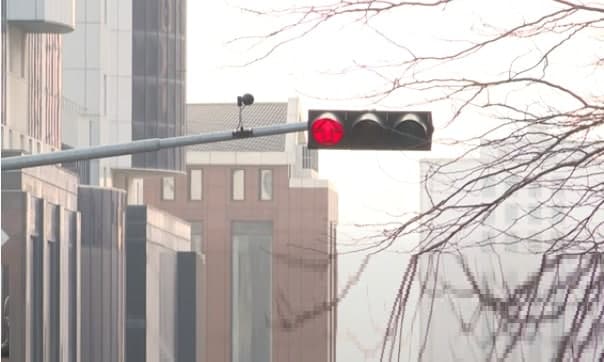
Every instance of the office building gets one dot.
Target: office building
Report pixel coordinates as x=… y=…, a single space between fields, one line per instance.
x=41 y=264
x=40 y=258
x=124 y=68
x=158 y=78
x=32 y=33
x=265 y=225
x=501 y=295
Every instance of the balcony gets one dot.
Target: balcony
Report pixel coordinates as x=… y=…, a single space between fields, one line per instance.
x=42 y=16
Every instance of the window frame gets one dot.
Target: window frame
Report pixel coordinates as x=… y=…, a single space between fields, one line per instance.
x=163 y=188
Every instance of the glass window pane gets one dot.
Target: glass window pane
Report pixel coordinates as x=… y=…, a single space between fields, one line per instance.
x=135 y=192
x=238 y=185
x=251 y=290
x=266 y=184
x=168 y=188
x=196 y=237
x=195 y=184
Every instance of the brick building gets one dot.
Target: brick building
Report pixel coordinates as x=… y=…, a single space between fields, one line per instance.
x=265 y=226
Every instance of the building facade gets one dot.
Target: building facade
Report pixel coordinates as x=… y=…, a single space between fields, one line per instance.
x=155 y=292
x=41 y=264
x=266 y=228
x=124 y=70
x=158 y=78
x=32 y=33
x=97 y=80
x=40 y=258
x=190 y=345
x=504 y=295
x=103 y=274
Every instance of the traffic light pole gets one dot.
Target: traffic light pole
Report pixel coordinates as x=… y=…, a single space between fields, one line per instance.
x=151 y=144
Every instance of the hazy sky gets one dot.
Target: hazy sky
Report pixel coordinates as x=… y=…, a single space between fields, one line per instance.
x=373 y=186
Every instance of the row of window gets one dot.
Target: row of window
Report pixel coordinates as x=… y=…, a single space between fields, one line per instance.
x=195 y=182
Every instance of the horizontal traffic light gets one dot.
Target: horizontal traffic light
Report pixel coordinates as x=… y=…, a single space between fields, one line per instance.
x=370 y=130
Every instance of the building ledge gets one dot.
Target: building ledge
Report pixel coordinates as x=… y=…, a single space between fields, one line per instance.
x=42 y=26
x=41 y=16
x=133 y=171
x=310 y=183
x=237 y=158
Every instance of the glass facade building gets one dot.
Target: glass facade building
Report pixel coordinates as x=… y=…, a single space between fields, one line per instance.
x=158 y=78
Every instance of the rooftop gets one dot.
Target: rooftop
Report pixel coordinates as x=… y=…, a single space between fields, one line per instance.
x=211 y=117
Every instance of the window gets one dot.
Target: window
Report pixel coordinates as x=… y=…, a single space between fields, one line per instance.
x=534 y=191
x=266 y=184
x=310 y=158
x=251 y=290
x=17 y=53
x=535 y=211
x=167 y=189
x=511 y=213
x=195 y=184
x=489 y=186
x=36 y=305
x=196 y=237
x=135 y=191
x=238 y=185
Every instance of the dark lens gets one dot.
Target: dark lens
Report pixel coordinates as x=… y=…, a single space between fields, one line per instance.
x=367 y=132
x=411 y=128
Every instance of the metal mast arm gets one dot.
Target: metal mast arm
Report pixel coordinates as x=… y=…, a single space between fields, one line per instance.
x=152 y=144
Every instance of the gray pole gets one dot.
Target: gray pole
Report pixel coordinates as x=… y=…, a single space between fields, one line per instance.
x=152 y=144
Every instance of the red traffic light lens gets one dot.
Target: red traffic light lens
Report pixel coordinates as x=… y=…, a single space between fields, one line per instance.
x=327 y=131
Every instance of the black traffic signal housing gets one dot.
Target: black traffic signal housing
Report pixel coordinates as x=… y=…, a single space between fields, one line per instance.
x=370 y=130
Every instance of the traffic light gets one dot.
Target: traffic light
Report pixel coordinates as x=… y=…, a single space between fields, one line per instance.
x=370 y=130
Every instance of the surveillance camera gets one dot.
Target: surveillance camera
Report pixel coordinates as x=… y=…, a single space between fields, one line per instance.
x=246 y=99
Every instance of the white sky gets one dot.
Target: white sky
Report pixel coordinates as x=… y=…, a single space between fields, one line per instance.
x=373 y=186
